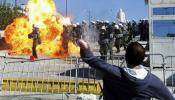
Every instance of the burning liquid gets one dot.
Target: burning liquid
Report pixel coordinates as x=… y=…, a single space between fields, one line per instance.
x=41 y=13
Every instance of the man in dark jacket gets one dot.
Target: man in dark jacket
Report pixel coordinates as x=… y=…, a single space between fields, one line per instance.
x=129 y=83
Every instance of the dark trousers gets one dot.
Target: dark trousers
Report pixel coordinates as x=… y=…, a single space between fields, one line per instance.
x=34 y=53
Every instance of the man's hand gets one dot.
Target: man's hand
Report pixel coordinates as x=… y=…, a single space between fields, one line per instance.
x=82 y=44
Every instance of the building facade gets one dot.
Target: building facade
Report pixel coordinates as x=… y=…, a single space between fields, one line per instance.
x=161 y=29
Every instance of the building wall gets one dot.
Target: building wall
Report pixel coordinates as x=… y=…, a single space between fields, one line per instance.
x=161 y=1
x=161 y=45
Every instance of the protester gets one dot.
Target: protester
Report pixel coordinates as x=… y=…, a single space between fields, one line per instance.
x=132 y=82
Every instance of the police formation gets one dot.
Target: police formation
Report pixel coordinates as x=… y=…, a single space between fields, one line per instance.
x=109 y=35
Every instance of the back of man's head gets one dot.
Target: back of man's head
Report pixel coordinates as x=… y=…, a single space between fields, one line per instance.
x=135 y=54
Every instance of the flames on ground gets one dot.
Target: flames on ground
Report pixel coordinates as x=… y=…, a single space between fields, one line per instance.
x=43 y=14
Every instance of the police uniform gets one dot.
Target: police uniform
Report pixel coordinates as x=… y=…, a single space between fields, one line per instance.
x=36 y=40
x=118 y=37
x=103 y=42
x=110 y=37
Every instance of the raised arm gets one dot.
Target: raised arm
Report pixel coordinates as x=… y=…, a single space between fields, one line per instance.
x=88 y=57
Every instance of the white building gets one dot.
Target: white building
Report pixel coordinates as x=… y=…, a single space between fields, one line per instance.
x=120 y=16
x=161 y=29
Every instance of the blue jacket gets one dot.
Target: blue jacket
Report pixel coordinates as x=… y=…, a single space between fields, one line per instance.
x=119 y=85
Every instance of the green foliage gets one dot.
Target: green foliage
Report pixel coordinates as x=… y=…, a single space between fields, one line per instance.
x=8 y=13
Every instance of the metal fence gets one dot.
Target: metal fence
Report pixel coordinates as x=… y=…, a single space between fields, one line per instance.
x=47 y=76
x=170 y=72
x=20 y=76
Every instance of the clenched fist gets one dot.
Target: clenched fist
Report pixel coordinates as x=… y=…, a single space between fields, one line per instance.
x=83 y=44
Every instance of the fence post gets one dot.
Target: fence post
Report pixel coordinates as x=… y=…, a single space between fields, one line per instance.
x=76 y=74
x=164 y=71
x=2 y=72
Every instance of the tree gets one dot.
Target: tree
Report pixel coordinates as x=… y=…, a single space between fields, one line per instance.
x=8 y=13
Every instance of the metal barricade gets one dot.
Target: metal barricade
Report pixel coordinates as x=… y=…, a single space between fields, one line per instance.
x=20 y=76
x=170 y=71
x=45 y=76
x=118 y=60
x=159 y=68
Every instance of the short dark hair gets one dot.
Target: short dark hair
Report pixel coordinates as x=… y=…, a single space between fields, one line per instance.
x=135 y=54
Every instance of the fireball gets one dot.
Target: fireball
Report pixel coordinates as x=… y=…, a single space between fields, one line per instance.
x=43 y=14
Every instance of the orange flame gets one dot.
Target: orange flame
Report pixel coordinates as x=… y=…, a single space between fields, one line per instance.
x=41 y=13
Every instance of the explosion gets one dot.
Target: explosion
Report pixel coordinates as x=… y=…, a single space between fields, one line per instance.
x=43 y=14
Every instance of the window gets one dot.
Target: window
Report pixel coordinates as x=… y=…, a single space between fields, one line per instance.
x=164 y=11
x=164 y=28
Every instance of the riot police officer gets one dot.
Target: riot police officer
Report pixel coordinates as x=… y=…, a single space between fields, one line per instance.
x=36 y=40
x=103 y=42
x=110 y=37
x=118 y=37
x=77 y=32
